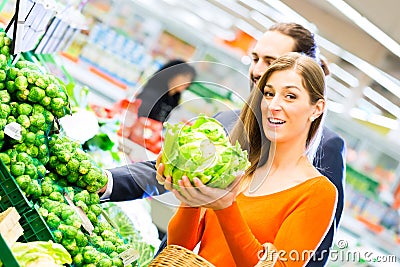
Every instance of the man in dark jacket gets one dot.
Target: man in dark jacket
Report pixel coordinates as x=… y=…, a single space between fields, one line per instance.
x=139 y=179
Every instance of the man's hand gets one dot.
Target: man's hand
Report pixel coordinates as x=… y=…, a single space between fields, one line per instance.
x=166 y=181
x=104 y=188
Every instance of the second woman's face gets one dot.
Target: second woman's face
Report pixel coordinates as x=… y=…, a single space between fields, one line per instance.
x=286 y=107
x=179 y=83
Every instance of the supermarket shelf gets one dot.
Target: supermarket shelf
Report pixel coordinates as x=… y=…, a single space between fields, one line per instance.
x=99 y=84
x=384 y=241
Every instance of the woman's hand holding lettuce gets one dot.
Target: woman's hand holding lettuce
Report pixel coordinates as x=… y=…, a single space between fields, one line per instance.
x=202 y=150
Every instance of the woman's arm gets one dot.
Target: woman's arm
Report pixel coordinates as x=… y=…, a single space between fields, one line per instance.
x=185 y=227
x=297 y=238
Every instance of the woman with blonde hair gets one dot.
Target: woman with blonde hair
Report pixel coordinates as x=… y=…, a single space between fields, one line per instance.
x=281 y=208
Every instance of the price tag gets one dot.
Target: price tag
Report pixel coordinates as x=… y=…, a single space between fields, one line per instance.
x=13 y=130
x=128 y=256
x=86 y=223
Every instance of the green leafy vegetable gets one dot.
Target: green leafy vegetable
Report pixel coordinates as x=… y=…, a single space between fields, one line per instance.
x=42 y=253
x=202 y=150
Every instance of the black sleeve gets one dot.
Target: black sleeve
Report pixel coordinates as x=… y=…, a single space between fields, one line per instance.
x=228 y=118
x=136 y=180
x=330 y=161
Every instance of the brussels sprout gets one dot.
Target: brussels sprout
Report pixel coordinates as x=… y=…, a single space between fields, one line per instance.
x=3 y=75
x=36 y=94
x=21 y=82
x=24 y=109
x=17 y=169
x=5 y=111
x=5 y=97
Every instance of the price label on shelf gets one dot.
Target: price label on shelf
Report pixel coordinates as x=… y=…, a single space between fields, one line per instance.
x=128 y=256
x=13 y=130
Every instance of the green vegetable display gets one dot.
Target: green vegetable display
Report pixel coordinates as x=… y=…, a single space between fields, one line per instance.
x=69 y=161
x=128 y=232
x=202 y=150
x=46 y=165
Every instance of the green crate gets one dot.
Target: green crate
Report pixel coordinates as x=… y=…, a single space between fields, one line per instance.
x=10 y=193
x=35 y=228
x=6 y=255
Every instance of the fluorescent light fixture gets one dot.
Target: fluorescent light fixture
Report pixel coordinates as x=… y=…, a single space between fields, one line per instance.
x=383 y=79
x=374 y=118
x=261 y=19
x=264 y=9
x=334 y=95
x=290 y=14
x=224 y=34
x=359 y=114
x=171 y=2
x=368 y=106
x=382 y=101
x=235 y=7
x=366 y=25
x=383 y=121
x=338 y=87
x=335 y=107
x=249 y=29
x=190 y=19
x=211 y=13
x=344 y=75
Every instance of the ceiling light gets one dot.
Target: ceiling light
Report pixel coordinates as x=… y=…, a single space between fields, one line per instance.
x=334 y=95
x=383 y=79
x=261 y=19
x=344 y=75
x=264 y=9
x=368 y=106
x=366 y=25
x=249 y=29
x=227 y=35
x=359 y=114
x=335 y=107
x=375 y=119
x=212 y=13
x=383 y=121
x=235 y=7
x=382 y=101
x=190 y=19
x=339 y=87
x=290 y=15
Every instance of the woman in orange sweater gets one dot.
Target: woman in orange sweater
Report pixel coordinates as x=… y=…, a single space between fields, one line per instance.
x=281 y=208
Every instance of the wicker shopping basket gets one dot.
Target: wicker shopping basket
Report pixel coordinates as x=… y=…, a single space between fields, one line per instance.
x=177 y=256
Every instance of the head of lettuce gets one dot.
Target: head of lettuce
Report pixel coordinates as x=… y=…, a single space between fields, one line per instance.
x=202 y=150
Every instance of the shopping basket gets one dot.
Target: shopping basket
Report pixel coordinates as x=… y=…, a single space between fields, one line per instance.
x=177 y=256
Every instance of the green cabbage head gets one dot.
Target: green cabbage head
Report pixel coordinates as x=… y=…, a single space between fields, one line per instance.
x=202 y=150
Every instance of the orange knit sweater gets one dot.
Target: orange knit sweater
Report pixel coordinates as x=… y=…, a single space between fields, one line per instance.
x=294 y=220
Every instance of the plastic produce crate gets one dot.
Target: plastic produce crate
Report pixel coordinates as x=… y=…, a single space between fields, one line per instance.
x=35 y=228
x=6 y=255
x=10 y=231
x=10 y=193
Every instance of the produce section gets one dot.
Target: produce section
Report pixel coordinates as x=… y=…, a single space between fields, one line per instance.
x=48 y=177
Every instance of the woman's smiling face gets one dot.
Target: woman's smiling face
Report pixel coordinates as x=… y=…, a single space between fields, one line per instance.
x=286 y=107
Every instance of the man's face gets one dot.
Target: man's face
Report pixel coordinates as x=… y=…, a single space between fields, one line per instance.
x=271 y=45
